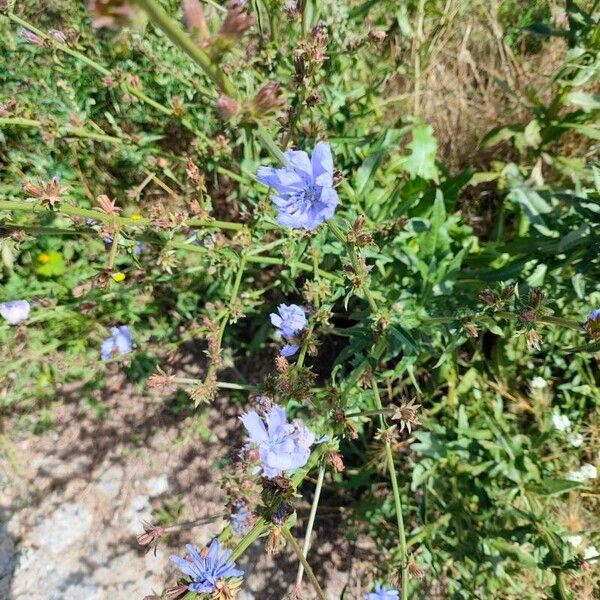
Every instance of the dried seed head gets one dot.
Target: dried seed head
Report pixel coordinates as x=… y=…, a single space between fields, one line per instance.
x=534 y=341
x=415 y=570
x=107 y=205
x=406 y=414
x=111 y=13
x=335 y=460
x=161 y=380
x=488 y=297
x=149 y=539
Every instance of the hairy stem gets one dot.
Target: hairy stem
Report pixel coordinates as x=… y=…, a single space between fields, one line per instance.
x=311 y=575
x=310 y=525
x=396 y=492
x=183 y=41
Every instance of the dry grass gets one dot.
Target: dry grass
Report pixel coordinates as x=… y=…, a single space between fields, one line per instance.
x=464 y=79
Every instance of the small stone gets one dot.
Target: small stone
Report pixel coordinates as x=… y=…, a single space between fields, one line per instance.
x=156 y=486
x=63 y=527
x=110 y=481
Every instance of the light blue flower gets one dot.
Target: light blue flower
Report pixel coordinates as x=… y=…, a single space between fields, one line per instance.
x=208 y=571
x=241 y=519
x=282 y=446
x=592 y=325
x=290 y=321
x=15 y=311
x=382 y=593
x=120 y=341
x=305 y=196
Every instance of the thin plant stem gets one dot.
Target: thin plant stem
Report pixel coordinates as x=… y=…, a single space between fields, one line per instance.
x=113 y=250
x=183 y=41
x=396 y=492
x=354 y=260
x=310 y=525
x=75 y=211
x=311 y=575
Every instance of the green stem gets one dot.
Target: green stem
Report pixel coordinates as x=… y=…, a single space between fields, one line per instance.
x=212 y=369
x=396 y=492
x=75 y=211
x=354 y=261
x=182 y=40
x=311 y=575
x=310 y=525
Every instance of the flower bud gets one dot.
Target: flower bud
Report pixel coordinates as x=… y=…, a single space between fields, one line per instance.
x=111 y=13
x=236 y=23
x=31 y=37
x=227 y=107
x=268 y=99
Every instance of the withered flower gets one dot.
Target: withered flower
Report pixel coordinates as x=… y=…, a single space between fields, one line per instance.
x=112 y=13
x=151 y=536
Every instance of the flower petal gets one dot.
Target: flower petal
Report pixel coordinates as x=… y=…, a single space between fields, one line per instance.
x=255 y=427
x=322 y=165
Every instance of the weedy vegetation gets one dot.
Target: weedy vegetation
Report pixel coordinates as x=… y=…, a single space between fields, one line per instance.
x=379 y=220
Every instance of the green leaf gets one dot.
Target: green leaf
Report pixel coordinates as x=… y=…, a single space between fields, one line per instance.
x=552 y=487
x=421 y=161
x=588 y=102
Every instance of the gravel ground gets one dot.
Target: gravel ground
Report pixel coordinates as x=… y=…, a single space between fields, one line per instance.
x=73 y=500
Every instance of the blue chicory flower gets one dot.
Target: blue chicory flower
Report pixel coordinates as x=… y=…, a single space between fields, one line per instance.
x=305 y=196
x=282 y=446
x=592 y=325
x=382 y=593
x=120 y=341
x=208 y=569
x=290 y=321
x=241 y=519
x=15 y=311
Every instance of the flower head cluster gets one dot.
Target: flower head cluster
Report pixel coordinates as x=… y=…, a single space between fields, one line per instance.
x=207 y=568
x=282 y=446
x=304 y=197
x=15 y=311
x=241 y=518
x=120 y=341
x=290 y=321
x=382 y=593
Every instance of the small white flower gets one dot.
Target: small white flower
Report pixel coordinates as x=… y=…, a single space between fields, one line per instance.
x=575 y=540
x=15 y=311
x=575 y=439
x=561 y=422
x=586 y=471
x=589 y=471
x=590 y=552
x=538 y=383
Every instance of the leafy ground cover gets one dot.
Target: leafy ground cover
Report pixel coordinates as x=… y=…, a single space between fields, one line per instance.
x=434 y=284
